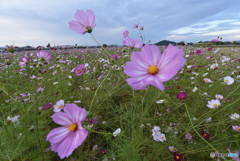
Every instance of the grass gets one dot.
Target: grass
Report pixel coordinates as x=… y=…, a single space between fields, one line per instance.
x=104 y=93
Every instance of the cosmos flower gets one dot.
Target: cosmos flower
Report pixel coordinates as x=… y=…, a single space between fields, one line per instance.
x=150 y=67
x=58 y=106
x=125 y=34
x=214 y=104
x=135 y=26
x=207 y=80
x=64 y=140
x=117 y=132
x=219 y=97
x=199 y=51
x=45 y=55
x=135 y=43
x=79 y=70
x=234 y=116
x=181 y=95
x=84 y=23
x=205 y=135
x=228 y=80
x=115 y=56
x=236 y=128
x=177 y=156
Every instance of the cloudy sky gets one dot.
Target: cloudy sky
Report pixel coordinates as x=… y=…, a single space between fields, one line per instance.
x=37 y=22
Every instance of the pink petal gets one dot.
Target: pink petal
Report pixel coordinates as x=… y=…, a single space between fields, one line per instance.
x=71 y=142
x=57 y=135
x=82 y=17
x=61 y=118
x=74 y=25
x=77 y=114
x=91 y=18
x=134 y=70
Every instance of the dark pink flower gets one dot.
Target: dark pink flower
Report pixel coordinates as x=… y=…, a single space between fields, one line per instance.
x=84 y=23
x=150 y=67
x=64 y=140
x=79 y=70
x=181 y=95
x=177 y=156
x=199 y=51
x=47 y=106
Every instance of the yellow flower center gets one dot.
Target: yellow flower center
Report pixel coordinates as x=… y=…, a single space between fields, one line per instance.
x=215 y=105
x=60 y=107
x=152 y=69
x=177 y=157
x=73 y=127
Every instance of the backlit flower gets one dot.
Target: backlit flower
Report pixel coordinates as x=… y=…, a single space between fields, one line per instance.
x=150 y=67
x=64 y=140
x=84 y=23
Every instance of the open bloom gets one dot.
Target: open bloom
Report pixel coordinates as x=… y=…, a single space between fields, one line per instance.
x=45 y=55
x=58 y=106
x=84 y=23
x=79 y=70
x=181 y=95
x=135 y=43
x=64 y=140
x=199 y=51
x=236 y=128
x=228 y=80
x=214 y=104
x=150 y=67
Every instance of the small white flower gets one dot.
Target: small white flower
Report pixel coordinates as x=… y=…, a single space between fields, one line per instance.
x=228 y=80
x=214 y=66
x=54 y=83
x=159 y=101
x=234 y=116
x=213 y=104
x=13 y=119
x=158 y=136
x=207 y=80
x=189 y=66
x=156 y=129
x=117 y=132
x=194 y=89
x=58 y=106
x=205 y=74
x=209 y=119
x=219 y=97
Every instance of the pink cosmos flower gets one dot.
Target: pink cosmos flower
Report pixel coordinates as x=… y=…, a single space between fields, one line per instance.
x=45 y=55
x=84 y=23
x=64 y=140
x=215 y=40
x=150 y=67
x=125 y=34
x=22 y=64
x=115 y=56
x=136 y=43
x=25 y=59
x=236 y=128
x=79 y=70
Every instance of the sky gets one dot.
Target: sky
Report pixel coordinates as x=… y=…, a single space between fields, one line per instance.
x=38 y=22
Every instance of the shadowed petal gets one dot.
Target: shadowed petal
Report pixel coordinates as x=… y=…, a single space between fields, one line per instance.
x=57 y=135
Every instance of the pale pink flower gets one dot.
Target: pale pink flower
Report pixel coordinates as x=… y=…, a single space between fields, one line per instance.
x=79 y=70
x=125 y=34
x=135 y=43
x=45 y=55
x=150 y=67
x=64 y=140
x=84 y=23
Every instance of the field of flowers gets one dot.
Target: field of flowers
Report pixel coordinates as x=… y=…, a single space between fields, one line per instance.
x=132 y=103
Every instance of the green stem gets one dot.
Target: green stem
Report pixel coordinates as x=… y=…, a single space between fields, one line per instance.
x=189 y=117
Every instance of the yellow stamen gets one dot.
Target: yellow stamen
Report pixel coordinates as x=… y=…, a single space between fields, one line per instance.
x=60 y=107
x=73 y=127
x=152 y=69
x=177 y=157
x=215 y=105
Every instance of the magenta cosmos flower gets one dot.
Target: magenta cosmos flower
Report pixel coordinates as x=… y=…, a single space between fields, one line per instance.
x=45 y=55
x=64 y=140
x=135 y=43
x=150 y=67
x=181 y=95
x=84 y=23
x=199 y=51
x=79 y=70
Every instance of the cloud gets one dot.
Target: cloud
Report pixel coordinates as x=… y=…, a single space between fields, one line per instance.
x=24 y=22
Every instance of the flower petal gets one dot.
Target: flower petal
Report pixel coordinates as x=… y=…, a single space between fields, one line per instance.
x=57 y=135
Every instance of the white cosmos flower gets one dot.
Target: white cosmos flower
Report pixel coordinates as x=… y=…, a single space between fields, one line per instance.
x=234 y=116
x=228 y=80
x=13 y=119
x=214 y=66
x=214 y=104
x=194 y=89
x=157 y=135
x=58 y=106
x=207 y=80
x=117 y=132
x=219 y=97
x=159 y=101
